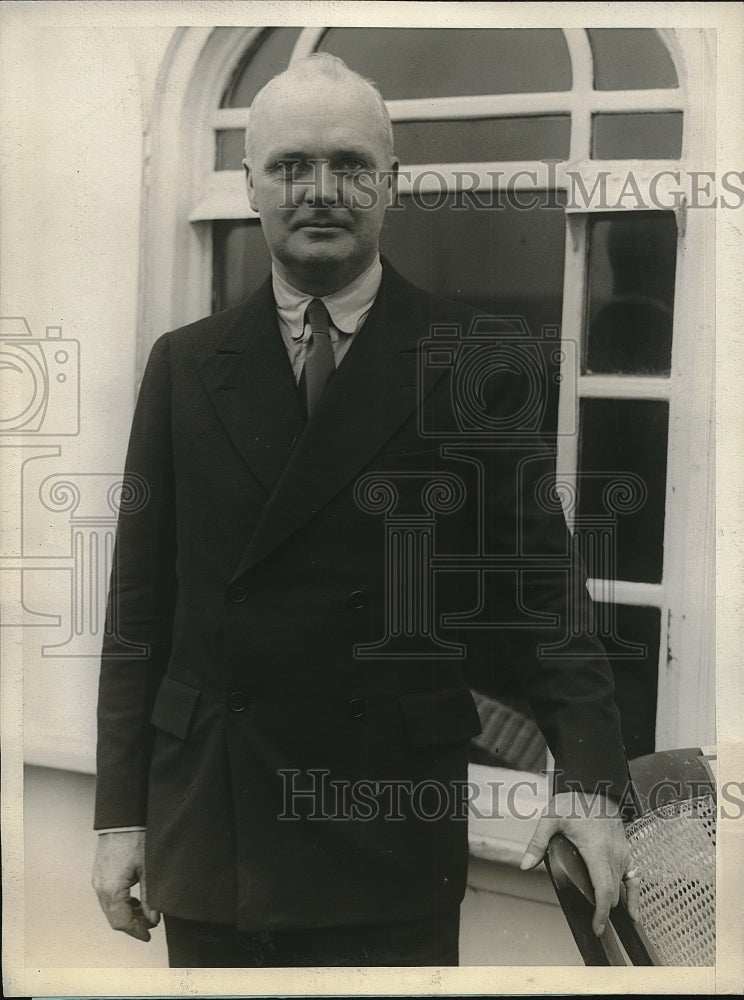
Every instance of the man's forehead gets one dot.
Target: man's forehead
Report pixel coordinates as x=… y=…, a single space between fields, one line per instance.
x=343 y=117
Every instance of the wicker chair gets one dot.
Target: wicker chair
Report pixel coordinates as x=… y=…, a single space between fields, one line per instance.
x=672 y=839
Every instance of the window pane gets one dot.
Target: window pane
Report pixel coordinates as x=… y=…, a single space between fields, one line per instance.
x=444 y=62
x=631 y=278
x=620 y=437
x=635 y=677
x=241 y=261
x=230 y=145
x=504 y=260
x=637 y=136
x=268 y=56
x=630 y=59
x=473 y=140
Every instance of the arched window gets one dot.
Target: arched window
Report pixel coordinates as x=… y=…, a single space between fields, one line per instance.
x=541 y=176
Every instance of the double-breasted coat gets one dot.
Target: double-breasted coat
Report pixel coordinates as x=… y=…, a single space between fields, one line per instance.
x=257 y=564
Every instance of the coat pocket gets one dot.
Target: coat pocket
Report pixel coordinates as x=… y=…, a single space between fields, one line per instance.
x=447 y=716
x=174 y=707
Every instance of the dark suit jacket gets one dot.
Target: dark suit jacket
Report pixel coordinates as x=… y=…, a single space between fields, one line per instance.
x=251 y=571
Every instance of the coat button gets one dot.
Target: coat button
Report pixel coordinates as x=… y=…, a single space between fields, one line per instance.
x=238 y=593
x=355 y=708
x=237 y=701
x=358 y=600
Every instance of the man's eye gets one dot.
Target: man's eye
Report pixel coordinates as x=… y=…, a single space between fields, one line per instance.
x=351 y=165
x=288 y=168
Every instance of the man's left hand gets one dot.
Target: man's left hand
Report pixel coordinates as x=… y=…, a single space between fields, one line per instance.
x=593 y=824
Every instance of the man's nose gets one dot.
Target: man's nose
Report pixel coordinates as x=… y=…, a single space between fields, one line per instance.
x=322 y=190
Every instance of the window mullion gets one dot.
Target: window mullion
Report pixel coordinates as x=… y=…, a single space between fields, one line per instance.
x=626 y=592
x=480 y=106
x=307 y=43
x=623 y=387
x=582 y=63
x=571 y=324
x=637 y=100
x=574 y=291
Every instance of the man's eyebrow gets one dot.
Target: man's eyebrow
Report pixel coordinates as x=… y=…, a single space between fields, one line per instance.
x=340 y=154
x=284 y=155
x=353 y=152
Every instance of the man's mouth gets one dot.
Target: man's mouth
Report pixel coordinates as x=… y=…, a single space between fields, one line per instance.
x=320 y=224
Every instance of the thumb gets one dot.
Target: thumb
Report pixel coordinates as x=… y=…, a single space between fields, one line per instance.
x=538 y=846
x=152 y=916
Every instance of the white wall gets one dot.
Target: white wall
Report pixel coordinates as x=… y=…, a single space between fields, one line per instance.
x=75 y=107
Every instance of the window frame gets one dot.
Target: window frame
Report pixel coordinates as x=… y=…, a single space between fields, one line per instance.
x=183 y=194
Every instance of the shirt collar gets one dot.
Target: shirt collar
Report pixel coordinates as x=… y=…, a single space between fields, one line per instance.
x=348 y=307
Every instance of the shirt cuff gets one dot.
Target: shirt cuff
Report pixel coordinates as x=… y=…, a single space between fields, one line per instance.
x=123 y=829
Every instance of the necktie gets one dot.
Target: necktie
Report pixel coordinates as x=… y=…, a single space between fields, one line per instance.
x=320 y=363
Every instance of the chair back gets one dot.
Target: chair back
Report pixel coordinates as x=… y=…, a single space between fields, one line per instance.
x=674 y=847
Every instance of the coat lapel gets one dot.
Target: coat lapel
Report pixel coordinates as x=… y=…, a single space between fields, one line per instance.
x=368 y=398
x=250 y=383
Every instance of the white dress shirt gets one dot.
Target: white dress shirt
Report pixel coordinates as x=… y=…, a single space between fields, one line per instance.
x=347 y=308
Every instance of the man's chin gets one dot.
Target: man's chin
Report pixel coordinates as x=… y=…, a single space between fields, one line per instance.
x=329 y=262
x=331 y=251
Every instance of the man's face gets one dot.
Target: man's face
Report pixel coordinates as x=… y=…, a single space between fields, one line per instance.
x=318 y=151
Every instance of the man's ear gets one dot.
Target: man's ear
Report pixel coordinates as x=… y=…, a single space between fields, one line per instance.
x=393 y=182
x=249 y=185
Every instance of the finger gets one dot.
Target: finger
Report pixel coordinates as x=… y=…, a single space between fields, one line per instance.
x=123 y=912
x=126 y=915
x=152 y=916
x=632 y=882
x=538 y=846
x=140 y=925
x=605 y=890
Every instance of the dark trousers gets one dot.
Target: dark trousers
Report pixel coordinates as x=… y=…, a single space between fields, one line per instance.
x=428 y=941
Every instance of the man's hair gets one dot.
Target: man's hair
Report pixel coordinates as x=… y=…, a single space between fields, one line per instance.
x=331 y=67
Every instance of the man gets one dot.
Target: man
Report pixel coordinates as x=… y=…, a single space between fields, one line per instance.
x=254 y=579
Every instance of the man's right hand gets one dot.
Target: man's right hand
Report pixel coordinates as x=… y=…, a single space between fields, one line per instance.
x=120 y=864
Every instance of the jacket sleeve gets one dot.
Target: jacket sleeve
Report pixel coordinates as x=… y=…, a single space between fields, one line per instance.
x=141 y=601
x=551 y=643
